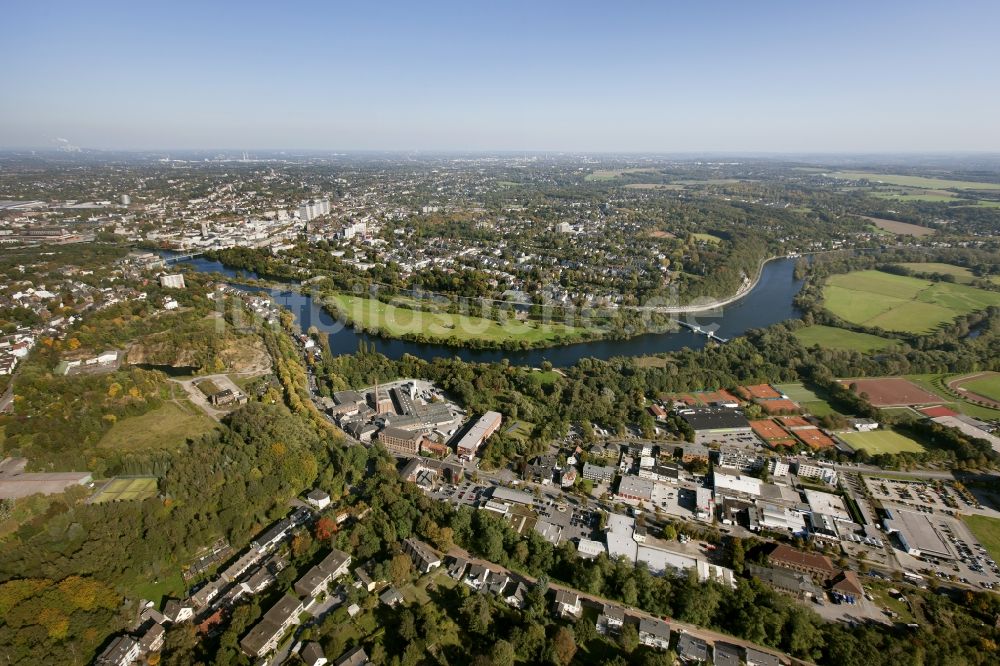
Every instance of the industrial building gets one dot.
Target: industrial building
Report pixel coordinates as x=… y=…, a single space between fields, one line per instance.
x=709 y=422
x=916 y=534
x=172 y=281
x=403 y=442
x=468 y=445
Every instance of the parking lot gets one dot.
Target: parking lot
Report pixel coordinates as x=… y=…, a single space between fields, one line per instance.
x=972 y=564
x=928 y=498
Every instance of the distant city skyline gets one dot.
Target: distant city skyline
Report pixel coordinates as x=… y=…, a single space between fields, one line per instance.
x=709 y=77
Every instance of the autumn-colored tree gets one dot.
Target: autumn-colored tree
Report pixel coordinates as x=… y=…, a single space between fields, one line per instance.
x=563 y=646
x=325 y=528
x=55 y=621
x=301 y=543
x=13 y=592
x=87 y=593
x=399 y=568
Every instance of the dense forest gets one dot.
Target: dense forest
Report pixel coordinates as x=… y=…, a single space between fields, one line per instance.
x=71 y=574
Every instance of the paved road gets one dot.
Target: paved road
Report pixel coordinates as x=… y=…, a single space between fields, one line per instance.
x=7 y=398
x=598 y=602
x=922 y=474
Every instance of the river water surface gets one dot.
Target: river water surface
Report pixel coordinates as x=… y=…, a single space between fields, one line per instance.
x=769 y=302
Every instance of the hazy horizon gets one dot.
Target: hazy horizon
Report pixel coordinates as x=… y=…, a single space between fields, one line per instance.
x=902 y=78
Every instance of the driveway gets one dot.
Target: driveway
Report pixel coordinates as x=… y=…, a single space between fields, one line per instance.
x=198 y=398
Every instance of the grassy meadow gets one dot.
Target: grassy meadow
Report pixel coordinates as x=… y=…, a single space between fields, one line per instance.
x=167 y=427
x=839 y=338
x=915 y=181
x=987 y=531
x=900 y=303
x=398 y=321
x=988 y=386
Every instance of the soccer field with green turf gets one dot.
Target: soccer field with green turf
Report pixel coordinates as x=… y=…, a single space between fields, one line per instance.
x=881 y=441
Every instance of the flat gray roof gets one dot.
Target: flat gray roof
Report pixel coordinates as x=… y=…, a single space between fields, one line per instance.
x=919 y=532
x=510 y=495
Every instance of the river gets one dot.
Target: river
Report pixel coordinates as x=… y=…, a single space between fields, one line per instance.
x=769 y=302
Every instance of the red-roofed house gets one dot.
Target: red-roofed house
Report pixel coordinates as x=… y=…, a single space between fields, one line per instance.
x=818 y=566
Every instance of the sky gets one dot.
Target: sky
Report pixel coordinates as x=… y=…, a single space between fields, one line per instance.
x=547 y=75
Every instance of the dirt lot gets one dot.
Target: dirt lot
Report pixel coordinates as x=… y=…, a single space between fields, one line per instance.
x=904 y=228
x=892 y=391
x=768 y=430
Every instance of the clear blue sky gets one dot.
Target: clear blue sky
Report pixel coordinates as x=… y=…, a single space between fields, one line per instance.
x=544 y=75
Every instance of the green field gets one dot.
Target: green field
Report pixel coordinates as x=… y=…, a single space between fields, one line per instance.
x=961 y=274
x=819 y=408
x=908 y=196
x=935 y=383
x=838 y=338
x=207 y=387
x=797 y=392
x=900 y=303
x=167 y=427
x=935 y=196
x=810 y=401
x=615 y=174
x=987 y=386
x=708 y=238
x=915 y=181
x=987 y=531
x=544 y=377
x=519 y=430
x=881 y=441
x=397 y=321
x=655 y=186
x=170 y=584
x=125 y=488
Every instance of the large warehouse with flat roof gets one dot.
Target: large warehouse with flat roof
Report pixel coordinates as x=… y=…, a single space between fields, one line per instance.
x=716 y=420
x=917 y=534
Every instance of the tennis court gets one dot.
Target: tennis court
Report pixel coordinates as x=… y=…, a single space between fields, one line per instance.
x=125 y=488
